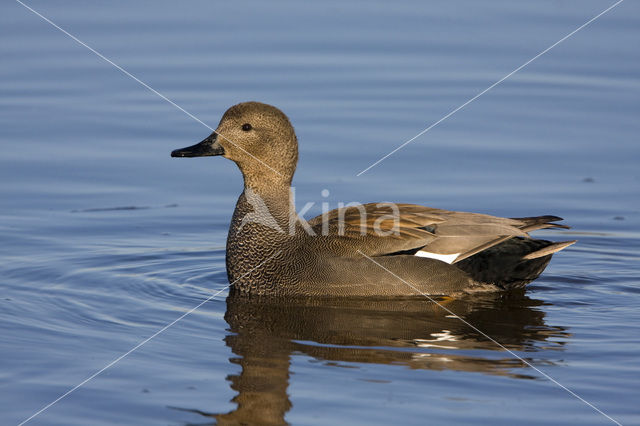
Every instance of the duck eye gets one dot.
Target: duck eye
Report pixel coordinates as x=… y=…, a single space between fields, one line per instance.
x=246 y=127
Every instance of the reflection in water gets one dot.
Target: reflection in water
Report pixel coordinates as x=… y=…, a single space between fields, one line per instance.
x=411 y=332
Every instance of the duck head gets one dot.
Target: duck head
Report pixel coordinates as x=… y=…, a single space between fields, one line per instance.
x=259 y=138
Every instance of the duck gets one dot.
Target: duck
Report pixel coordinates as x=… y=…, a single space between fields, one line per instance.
x=365 y=250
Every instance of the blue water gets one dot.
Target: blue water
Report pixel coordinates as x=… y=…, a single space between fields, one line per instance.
x=106 y=239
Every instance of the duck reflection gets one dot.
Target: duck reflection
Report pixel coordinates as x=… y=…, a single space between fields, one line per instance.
x=416 y=333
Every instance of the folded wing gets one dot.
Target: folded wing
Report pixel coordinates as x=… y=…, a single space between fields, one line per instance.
x=379 y=229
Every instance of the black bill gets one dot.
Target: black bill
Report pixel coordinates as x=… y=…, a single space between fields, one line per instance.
x=206 y=148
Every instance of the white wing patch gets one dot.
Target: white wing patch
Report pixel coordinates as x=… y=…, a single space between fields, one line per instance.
x=448 y=258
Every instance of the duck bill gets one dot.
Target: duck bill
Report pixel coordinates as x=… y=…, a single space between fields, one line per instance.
x=207 y=148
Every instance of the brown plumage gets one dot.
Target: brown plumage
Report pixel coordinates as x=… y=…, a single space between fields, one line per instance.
x=377 y=249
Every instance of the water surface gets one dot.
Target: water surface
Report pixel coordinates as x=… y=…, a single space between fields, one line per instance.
x=106 y=239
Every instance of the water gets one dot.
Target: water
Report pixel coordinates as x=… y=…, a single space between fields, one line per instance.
x=106 y=239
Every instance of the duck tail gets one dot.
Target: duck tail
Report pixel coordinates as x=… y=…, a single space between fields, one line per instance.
x=513 y=263
x=550 y=249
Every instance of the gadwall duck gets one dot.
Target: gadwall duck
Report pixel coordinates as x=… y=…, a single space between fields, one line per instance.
x=377 y=249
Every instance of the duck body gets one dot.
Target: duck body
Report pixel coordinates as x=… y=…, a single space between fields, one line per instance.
x=299 y=263
x=370 y=250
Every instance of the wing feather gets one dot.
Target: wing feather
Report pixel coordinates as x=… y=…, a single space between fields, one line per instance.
x=386 y=228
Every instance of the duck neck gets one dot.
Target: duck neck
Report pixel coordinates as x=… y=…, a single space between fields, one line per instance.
x=260 y=230
x=271 y=204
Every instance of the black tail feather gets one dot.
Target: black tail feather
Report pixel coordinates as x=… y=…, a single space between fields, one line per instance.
x=505 y=265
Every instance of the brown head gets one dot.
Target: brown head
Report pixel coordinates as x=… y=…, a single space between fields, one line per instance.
x=259 y=138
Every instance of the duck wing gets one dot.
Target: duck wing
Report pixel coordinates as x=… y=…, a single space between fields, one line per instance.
x=375 y=229
x=378 y=229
